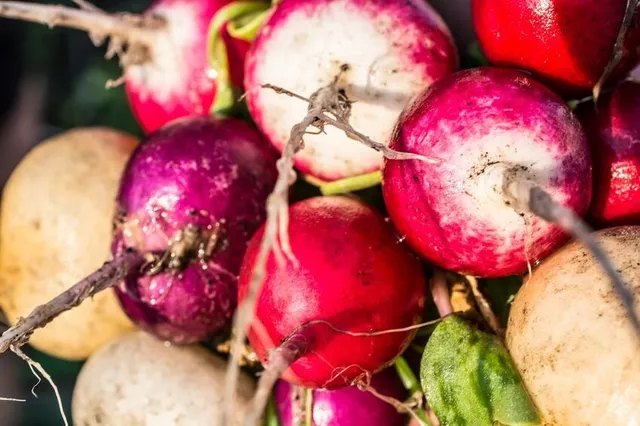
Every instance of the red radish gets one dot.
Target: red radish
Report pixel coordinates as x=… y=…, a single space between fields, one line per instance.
x=499 y=134
x=614 y=135
x=333 y=313
x=393 y=49
x=163 y=51
x=567 y=43
x=192 y=195
x=342 y=407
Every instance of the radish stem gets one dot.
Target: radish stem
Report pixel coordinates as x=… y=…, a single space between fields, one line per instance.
x=351 y=184
x=108 y=275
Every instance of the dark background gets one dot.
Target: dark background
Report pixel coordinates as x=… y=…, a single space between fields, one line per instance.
x=52 y=80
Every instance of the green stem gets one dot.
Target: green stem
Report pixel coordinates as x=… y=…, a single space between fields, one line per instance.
x=308 y=406
x=351 y=184
x=271 y=415
x=412 y=385
x=244 y=19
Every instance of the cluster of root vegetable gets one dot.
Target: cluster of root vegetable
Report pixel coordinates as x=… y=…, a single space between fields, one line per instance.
x=234 y=268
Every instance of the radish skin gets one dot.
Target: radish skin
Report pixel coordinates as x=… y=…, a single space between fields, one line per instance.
x=566 y=43
x=393 y=49
x=499 y=132
x=205 y=175
x=614 y=136
x=571 y=339
x=354 y=275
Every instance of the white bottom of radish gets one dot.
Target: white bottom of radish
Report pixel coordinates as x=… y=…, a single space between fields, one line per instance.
x=303 y=51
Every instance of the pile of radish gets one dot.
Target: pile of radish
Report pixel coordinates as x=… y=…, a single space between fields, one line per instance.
x=204 y=283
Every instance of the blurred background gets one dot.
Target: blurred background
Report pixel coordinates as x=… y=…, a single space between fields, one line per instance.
x=52 y=80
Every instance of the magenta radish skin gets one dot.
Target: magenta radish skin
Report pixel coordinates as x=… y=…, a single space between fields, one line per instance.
x=480 y=123
x=614 y=135
x=344 y=407
x=178 y=80
x=394 y=49
x=203 y=172
x=353 y=273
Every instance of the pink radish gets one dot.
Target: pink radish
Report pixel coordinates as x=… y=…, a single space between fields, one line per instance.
x=191 y=197
x=392 y=48
x=164 y=53
x=342 y=407
x=353 y=276
x=614 y=135
x=498 y=132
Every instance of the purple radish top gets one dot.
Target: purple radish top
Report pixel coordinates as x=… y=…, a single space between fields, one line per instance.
x=394 y=49
x=197 y=186
x=343 y=407
x=485 y=124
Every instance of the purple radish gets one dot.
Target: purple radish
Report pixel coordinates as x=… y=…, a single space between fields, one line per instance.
x=342 y=407
x=393 y=49
x=500 y=134
x=190 y=199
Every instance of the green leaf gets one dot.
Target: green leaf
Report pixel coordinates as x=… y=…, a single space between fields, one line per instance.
x=469 y=379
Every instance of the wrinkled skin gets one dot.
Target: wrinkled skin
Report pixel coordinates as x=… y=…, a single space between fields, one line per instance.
x=343 y=407
x=354 y=274
x=614 y=136
x=567 y=43
x=178 y=80
x=214 y=174
x=482 y=123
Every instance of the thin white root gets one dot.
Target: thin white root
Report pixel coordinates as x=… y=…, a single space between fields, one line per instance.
x=12 y=399
x=485 y=307
x=440 y=293
x=398 y=405
x=35 y=365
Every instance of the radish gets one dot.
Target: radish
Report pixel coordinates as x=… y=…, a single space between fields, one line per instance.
x=342 y=407
x=164 y=53
x=191 y=197
x=57 y=218
x=571 y=340
x=567 y=43
x=138 y=380
x=388 y=51
x=498 y=132
x=614 y=135
x=345 y=310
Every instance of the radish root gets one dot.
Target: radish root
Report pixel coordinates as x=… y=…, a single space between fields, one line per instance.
x=130 y=35
x=35 y=366
x=108 y=275
x=328 y=105
x=280 y=359
x=618 y=48
x=526 y=195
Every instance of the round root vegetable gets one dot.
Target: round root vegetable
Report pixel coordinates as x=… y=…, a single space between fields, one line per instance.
x=164 y=53
x=138 y=380
x=391 y=50
x=342 y=407
x=333 y=311
x=190 y=199
x=504 y=140
x=571 y=340
x=615 y=142
x=56 y=224
x=565 y=42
